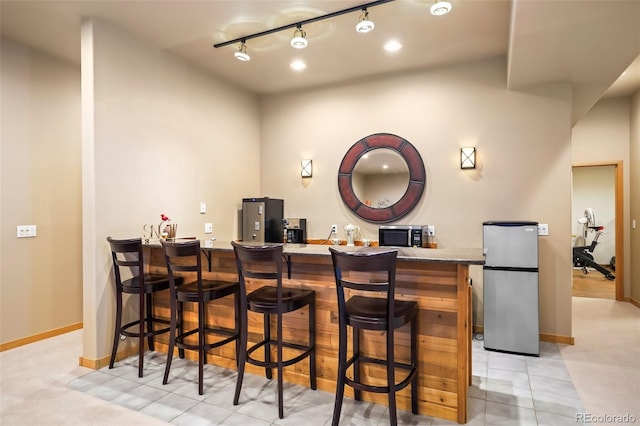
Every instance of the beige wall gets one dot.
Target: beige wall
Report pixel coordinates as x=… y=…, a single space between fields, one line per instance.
x=523 y=143
x=603 y=135
x=159 y=136
x=41 y=277
x=634 y=155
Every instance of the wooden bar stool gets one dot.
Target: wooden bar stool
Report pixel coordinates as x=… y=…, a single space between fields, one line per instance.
x=372 y=271
x=264 y=263
x=128 y=253
x=185 y=257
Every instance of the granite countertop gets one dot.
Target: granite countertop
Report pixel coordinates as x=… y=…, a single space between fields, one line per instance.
x=468 y=256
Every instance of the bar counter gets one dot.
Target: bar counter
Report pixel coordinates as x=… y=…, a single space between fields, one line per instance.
x=438 y=279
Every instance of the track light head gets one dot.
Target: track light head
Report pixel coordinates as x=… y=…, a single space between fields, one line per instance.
x=242 y=54
x=364 y=25
x=440 y=7
x=299 y=40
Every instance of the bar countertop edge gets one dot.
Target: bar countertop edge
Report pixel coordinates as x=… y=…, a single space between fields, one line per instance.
x=465 y=256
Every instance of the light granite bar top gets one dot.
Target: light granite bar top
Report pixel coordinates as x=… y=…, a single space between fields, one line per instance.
x=467 y=256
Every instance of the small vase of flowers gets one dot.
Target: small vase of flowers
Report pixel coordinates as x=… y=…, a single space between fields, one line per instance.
x=166 y=230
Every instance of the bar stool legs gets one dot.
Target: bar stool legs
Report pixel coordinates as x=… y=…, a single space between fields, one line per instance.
x=279 y=363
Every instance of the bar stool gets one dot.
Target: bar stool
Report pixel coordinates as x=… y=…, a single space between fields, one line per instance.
x=372 y=271
x=128 y=253
x=264 y=263
x=186 y=257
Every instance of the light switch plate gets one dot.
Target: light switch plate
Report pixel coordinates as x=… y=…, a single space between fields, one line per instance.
x=203 y=207
x=208 y=228
x=543 y=229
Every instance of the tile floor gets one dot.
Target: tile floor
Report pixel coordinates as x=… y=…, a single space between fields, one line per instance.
x=507 y=389
x=42 y=384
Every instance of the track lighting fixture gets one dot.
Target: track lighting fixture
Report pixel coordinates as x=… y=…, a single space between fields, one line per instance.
x=242 y=54
x=365 y=25
x=440 y=7
x=299 y=40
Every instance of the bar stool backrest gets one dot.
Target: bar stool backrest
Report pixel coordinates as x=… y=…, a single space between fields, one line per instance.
x=260 y=262
x=189 y=252
x=371 y=272
x=131 y=256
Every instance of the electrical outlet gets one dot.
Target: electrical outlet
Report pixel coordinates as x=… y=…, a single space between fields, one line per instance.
x=208 y=228
x=431 y=229
x=334 y=229
x=25 y=231
x=543 y=229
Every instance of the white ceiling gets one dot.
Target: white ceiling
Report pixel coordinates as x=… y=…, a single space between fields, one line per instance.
x=586 y=43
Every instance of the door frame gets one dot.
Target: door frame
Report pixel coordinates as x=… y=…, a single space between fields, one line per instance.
x=619 y=228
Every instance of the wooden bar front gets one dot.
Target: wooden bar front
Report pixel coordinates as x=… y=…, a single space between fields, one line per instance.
x=437 y=280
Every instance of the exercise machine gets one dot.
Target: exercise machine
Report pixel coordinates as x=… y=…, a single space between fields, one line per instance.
x=582 y=255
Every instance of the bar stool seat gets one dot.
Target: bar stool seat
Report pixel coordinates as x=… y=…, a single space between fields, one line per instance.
x=372 y=271
x=262 y=299
x=371 y=313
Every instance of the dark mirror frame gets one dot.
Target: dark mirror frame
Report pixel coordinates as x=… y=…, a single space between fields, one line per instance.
x=417 y=177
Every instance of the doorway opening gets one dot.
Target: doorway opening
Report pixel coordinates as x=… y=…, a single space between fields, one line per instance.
x=597 y=190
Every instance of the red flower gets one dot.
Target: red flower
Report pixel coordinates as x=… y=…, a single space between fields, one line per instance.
x=164 y=217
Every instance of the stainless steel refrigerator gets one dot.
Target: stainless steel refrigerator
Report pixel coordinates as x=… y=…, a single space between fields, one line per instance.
x=510 y=287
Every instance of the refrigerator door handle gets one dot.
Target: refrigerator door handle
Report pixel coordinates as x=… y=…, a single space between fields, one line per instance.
x=509 y=268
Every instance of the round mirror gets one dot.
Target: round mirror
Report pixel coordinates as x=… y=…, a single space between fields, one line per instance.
x=380 y=178
x=373 y=192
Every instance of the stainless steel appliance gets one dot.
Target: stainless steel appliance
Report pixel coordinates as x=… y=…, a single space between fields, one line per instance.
x=510 y=287
x=400 y=235
x=262 y=219
x=296 y=230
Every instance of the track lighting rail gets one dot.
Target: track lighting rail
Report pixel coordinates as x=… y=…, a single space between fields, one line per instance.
x=299 y=24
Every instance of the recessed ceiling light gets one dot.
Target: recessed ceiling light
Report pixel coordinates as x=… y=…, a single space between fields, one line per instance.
x=298 y=65
x=392 y=46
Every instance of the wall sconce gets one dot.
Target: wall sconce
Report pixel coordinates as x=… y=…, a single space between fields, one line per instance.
x=306 y=170
x=468 y=157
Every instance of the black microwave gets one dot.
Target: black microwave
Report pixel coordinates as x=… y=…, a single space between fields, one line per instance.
x=400 y=236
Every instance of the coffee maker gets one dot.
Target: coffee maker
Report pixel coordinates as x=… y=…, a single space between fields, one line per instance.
x=296 y=230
